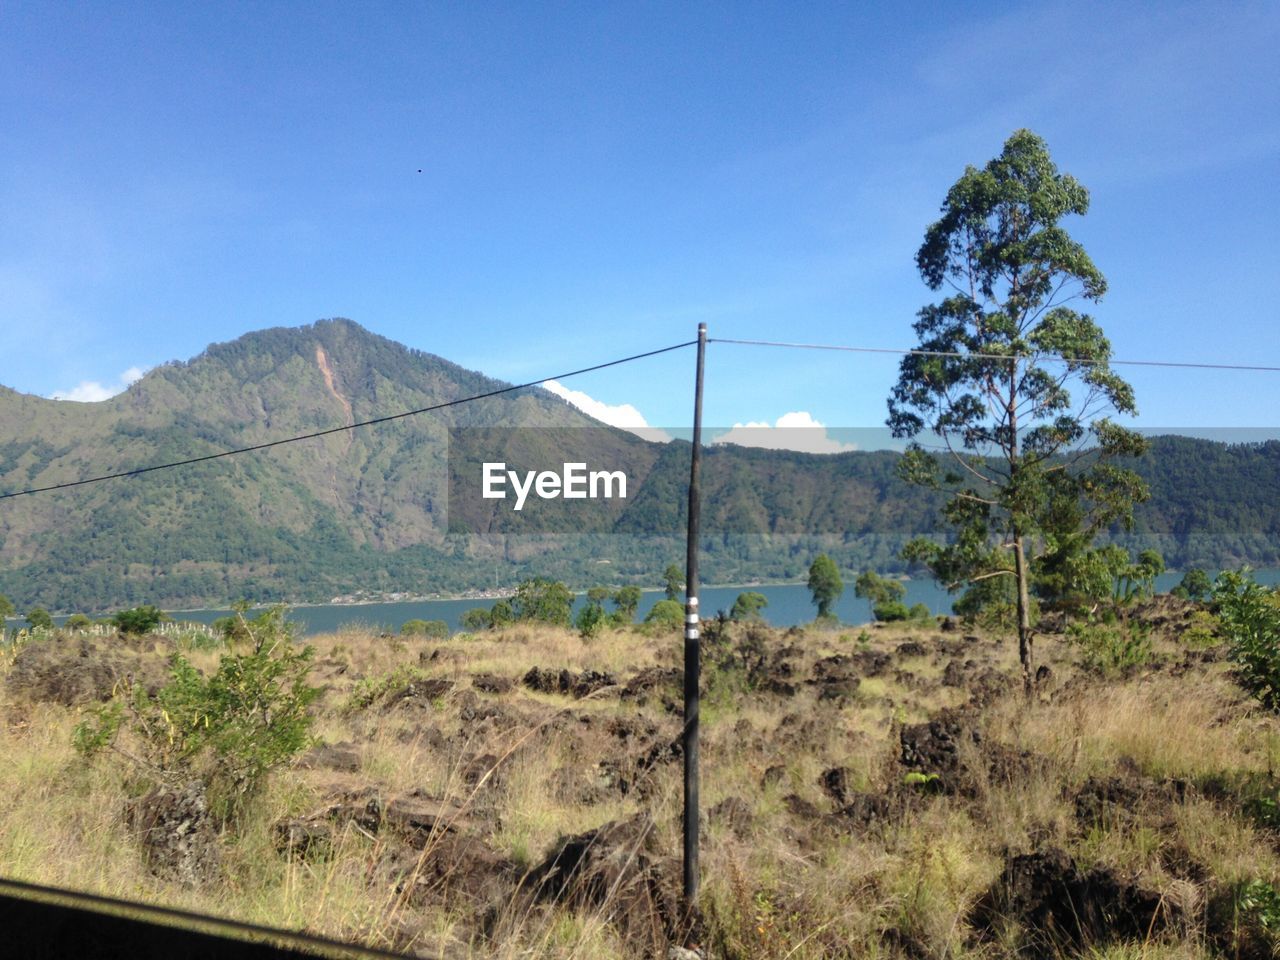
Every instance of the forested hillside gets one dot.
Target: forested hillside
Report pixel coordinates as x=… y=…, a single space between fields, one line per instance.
x=368 y=510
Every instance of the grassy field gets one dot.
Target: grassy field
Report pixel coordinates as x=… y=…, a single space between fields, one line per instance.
x=868 y=792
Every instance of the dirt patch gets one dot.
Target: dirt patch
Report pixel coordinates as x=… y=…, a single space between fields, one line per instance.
x=1058 y=907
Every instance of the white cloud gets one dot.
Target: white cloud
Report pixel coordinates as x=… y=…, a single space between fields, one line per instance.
x=792 y=431
x=623 y=415
x=92 y=391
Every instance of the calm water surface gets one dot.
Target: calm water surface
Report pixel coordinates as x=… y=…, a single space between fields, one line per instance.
x=789 y=605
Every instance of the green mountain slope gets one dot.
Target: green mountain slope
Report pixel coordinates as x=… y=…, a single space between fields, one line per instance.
x=373 y=510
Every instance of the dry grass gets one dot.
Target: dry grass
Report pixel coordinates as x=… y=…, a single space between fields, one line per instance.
x=784 y=883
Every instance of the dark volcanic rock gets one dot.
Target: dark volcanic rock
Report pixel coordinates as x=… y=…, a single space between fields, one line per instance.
x=179 y=839
x=567 y=683
x=866 y=809
x=653 y=682
x=621 y=865
x=419 y=819
x=451 y=870
x=67 y=671
x=1059 y=907
x=332 y=756
x=835 y=784
x=934 y=748
x=1115 y=801
x=773 y=775
x=491 y=683
x=303 y=839
x=418 y=693
x=801 y=807
x=735 y=813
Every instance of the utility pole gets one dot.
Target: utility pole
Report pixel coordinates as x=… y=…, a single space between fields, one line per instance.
x=692 y=653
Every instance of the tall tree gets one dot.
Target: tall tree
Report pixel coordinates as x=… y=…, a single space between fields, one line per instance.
x=825 y=585
x=999 y=359
x=673 y=581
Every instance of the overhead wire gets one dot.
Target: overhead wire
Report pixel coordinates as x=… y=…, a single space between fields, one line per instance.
x=992 y=356
x=341 y=429
x=845 y=348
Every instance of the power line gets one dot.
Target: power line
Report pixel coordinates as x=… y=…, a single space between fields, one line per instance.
x=344 y=428
x=993 y=356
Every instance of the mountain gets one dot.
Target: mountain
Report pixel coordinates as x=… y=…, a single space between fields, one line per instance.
x=396 y=507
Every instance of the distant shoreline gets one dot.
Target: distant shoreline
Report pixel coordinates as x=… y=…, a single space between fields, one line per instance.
x=478 y=597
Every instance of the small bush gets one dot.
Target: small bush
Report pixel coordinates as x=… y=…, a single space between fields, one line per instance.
x=372 y=689
x=665 y=615
x=139 y=620
x=230 y=729
x=476 y=619
x=748 y=606
x=1203 y=631
x=430 y=629
x=591 y=620
x=889 y=611
x=1250 y=617
x=1112 y=648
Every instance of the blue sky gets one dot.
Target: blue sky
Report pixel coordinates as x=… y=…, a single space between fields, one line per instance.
x=598 y=178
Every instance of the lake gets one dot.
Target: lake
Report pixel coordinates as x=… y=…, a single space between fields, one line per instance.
x=789 y=605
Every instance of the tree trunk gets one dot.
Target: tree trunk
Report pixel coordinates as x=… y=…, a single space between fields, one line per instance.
x=1024 y=613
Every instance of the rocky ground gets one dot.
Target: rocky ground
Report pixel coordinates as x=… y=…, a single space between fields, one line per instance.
x=881 y=791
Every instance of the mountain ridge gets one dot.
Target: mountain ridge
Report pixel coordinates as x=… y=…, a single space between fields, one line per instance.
x=369 y=510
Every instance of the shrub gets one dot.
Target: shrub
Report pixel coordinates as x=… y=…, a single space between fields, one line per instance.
x=431 y=629
x=888 y=611
x=1195 y=585
x=1202 y=631
x=477 y=618
x=230 y=729
x=77 y=621
x=591 y=618
x=1250 y=617
x=372 y=689
x=748 y=606
x=543 y=600
x=1112 y=648
x=139 y=620
x=666 y=615
x=39 y=619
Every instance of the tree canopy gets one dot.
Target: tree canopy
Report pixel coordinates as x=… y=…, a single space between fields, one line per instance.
x=825 y=584
x=1014 y=383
